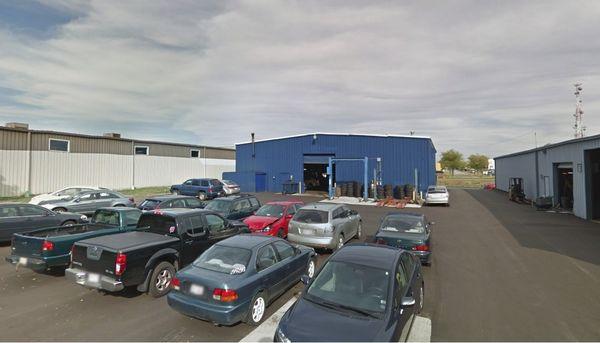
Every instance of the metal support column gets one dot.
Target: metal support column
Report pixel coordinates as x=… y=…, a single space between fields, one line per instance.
x=366 y=180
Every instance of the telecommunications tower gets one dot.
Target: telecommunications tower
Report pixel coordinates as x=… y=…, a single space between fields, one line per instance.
x=579 y=128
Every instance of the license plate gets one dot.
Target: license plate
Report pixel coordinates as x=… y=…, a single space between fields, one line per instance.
x=308 y=231
x=94 y=278
x=197 y=289
x=23 y=260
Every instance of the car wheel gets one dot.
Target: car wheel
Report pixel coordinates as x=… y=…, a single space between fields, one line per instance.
x=421 y=299
x=256 y=312
x=175 y=192
x=280 y=233
x=340 y=242
x=160 y=282
x=312 y=267
x=60 y=209
x=359 y=231
x=201 y=196
x=119 y=205
x=69 y=223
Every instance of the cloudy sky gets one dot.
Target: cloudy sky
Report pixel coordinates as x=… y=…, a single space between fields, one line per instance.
x=478 y=76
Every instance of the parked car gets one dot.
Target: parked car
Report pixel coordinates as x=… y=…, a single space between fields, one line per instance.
x=364 y=292
x=327 y=226
x=273 y=218
x=16 y=218
x=408 y=231
x=148 y=258
x=170 y=201
x=437 y=195
x=237 y=278
x=62 y=194
x=88 y=202
x=202 y=188
x=51 y=247
x=235 y=207
x=230 y=187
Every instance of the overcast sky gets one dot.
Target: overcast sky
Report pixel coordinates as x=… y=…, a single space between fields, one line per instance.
x=477 y=76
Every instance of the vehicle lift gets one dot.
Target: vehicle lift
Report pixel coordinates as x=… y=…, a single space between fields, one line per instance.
x=365 y=161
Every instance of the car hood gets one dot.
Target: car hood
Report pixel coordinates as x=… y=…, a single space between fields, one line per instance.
x=259 y=222
x=306 y=321
x=36 y=200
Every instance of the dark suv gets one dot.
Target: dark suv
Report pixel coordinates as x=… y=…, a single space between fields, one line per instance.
x=235 y=207
x=201 y=188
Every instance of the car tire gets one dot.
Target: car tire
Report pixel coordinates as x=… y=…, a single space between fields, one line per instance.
x=59 y=209
x=311 y=269
x=68 y=223
x=119 y=205
x=359 y=231
x=201 y=196
x=421 y=302
x=340 y=242
x=160 y=281
x=256 y=312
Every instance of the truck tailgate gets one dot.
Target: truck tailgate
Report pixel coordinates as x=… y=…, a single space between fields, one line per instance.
x=95 y=259
x=27 y=246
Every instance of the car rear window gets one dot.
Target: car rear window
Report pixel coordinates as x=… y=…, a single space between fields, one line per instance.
x=403 y=224
x=224 y=259
x=159 y=224
x=106 y=217
x=149 y=204
x=311 y=216
x=215 y=182
x=219 y=205
x=436 y=190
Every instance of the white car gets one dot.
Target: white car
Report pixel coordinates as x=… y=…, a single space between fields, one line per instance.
x=230 y=187
x=62 y=194
x=437 y=195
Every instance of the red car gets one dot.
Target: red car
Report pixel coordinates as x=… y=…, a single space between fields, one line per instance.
x=272 y=219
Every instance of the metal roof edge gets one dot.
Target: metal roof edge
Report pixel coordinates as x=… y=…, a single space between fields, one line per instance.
x=550 y=146
x=333 y=134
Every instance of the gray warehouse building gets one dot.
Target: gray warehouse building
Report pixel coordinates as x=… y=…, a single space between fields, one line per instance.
x=568 y=172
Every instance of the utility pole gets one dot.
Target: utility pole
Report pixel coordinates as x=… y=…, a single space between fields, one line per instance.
x=579 y=128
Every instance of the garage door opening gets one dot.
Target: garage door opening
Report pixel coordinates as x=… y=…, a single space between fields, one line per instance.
x=564 y=183
x=315 y=172
x=592 y=161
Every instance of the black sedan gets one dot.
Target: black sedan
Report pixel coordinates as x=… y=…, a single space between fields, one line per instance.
x=17 y=218
x=170 y=201
x=238 y=277
x=365 y=292
x=408 y=231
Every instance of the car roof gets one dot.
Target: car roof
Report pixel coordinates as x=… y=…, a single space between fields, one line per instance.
x=169 y=197
x=405 y=214
x=284 y=203
x=177 y=212
x=247 y=241
x=368 y=254
x=321 y=206
x=235 y=197
x=120 y=209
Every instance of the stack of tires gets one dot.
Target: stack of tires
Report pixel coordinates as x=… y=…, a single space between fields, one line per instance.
x=388 y=191
x=338 y=191
x=408 y=190
x=355 y=189
x=399 y=192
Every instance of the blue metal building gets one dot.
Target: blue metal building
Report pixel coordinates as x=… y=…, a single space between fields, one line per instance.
x=264 y=165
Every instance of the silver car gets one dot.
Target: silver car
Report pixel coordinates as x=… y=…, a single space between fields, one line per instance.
x=88 y=202
x=230 y=187
x=322 y=225
x=437 y=195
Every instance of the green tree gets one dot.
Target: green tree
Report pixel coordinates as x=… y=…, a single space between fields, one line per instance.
x=452 y=160
x=478 y=162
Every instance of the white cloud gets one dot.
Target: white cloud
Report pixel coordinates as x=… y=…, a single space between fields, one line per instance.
x=473 y=75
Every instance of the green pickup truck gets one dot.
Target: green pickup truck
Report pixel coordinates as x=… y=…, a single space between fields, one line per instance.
x=50 y=248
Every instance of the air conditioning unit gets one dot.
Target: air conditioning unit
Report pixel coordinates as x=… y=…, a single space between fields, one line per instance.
x=112 y=135
x=18 y=126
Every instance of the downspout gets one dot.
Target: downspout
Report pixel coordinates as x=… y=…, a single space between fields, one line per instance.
x=204 y=161
x=132 y=165
x=537 y=176
x=28 y=165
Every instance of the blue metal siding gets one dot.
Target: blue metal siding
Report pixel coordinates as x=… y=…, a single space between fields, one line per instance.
x=284 y=158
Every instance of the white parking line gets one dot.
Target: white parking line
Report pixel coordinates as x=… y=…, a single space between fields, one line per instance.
x=419 y=332
x=265 y=331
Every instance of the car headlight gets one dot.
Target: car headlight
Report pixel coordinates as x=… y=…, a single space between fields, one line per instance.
x=83 y=218
x=267 y=229
x=281 y=337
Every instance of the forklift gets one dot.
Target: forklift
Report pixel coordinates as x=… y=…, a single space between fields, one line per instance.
x=515 y=190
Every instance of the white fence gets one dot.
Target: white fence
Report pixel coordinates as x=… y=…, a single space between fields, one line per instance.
x=50 y=170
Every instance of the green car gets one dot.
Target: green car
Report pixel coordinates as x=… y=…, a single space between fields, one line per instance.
x=50 y=248
x=408 y=231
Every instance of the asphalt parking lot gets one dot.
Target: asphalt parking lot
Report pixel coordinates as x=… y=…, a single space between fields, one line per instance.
x=500 y=271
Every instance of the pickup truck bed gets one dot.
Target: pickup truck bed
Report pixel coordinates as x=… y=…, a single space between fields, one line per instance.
x=64 y=230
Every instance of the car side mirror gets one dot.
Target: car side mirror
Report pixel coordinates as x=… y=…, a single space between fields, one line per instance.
x=77 y=200
x=305 y=279
x=289 y=216
x=408 y=301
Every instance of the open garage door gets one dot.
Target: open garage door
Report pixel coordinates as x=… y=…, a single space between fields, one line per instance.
x=315 y=172
x=564 y=185
x=592 y=170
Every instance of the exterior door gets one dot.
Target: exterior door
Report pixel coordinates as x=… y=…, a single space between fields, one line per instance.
x=85 y=203
x=273 y=272
x=403 y=315
x=260 y=184
x=295 y=264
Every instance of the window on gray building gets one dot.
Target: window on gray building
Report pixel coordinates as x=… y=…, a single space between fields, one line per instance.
x=141 y=150
x=194 y=153
x=58 y=145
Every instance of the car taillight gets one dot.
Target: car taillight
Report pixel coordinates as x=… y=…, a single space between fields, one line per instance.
x=132 y=199
x=225 y=295
x=71 y=253
x=175 y=283
x=210 y=189
x=47 y=246
x=380 y=241
x=120 y=264
x=421 y=248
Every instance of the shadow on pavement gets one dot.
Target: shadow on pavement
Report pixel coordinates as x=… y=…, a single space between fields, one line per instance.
x=560 y=233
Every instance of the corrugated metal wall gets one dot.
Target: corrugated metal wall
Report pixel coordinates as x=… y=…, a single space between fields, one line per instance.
x=523 y=165
x=283 y=157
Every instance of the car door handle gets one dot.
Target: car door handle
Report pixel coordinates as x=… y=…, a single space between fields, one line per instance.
x=189 y=241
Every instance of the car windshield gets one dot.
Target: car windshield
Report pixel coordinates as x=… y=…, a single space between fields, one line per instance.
x=403 y=224
x=436 y=190
x=70 y=192
x=106 y=217
x=159 y=224
x=224 y=259
x=348 y=286
x=219 y=205
x=311 y=216
x=149 y=204
x=270 y=211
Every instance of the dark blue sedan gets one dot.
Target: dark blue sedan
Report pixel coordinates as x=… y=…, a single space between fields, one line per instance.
x=365 y=292
x=238 y=277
